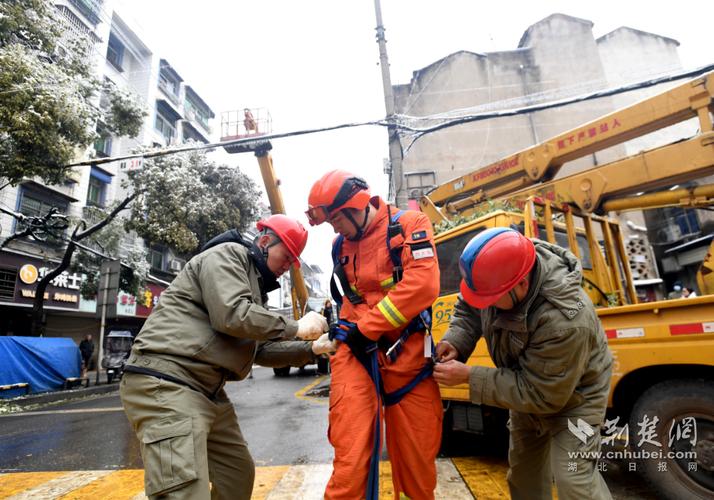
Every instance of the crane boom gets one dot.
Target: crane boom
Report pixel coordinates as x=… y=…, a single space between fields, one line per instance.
x=540 y=163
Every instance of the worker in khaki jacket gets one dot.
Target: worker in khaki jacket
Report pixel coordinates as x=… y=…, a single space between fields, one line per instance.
x=386 y=266
x=211 y=324
x=552 y=360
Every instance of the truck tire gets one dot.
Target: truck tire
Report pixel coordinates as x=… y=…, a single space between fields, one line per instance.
x=283 y=371
x=672 y=401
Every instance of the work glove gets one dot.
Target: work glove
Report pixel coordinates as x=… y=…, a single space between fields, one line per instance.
x=324 y=345
x=311 y=326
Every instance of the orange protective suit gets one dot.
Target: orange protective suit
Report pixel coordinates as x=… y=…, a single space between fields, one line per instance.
x=413 y=426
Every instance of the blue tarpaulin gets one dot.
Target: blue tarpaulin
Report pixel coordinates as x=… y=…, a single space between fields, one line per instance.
x=43 y=362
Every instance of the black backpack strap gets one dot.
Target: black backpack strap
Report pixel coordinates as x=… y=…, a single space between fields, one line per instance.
x=338 y=272
x=395 y=229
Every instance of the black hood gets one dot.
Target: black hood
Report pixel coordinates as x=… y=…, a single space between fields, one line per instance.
x=269 y=281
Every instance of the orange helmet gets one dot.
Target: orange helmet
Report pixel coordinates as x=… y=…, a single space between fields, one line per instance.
x=291 y=233
x=336 y=190
x=492 y=263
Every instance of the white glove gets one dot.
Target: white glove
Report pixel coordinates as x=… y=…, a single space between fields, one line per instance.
x=324 y=345
x=311 y=326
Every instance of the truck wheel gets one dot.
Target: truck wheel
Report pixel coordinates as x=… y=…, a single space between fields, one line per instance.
x=282 y=372
x=677 y=404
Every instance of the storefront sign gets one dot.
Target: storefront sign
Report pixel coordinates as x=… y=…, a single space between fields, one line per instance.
x=148 y=299
x=62 y=291
x=29 y=274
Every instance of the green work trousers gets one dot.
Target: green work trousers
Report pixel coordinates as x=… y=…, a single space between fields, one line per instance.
x=192 y=446
x=541 y=450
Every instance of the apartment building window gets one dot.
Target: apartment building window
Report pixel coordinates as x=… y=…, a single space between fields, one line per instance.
x=115 y=52
x=103 y=143
x=97 y=192
x=196 y=113
x=7 y=283
x=156 y=258
x=168 y=85
x=420 y=179
x=36 y=202
x=418 y=183
x=165 y=127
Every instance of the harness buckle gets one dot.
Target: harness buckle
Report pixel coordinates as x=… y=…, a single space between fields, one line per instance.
x=394 y=346
x=397 y=273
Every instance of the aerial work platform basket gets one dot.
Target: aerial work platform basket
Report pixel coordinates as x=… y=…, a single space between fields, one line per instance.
x=244 y=124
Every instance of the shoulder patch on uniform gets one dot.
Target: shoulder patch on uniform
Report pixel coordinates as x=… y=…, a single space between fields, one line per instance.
x=419 y=235
x=421 y=250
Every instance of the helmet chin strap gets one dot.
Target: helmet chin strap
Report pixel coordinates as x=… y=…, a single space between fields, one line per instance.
x=358 y=227
x=514 y=297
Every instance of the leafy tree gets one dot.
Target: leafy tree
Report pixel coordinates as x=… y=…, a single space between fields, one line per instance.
x=184 y=200
x=111 y=242
x=49 y=95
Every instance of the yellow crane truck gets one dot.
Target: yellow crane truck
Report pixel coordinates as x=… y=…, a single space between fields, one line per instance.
x=664 y=350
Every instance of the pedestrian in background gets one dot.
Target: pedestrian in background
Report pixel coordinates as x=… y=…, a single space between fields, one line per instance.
x=327 y=311
x=676 y=292
x=211 y=325
x=553 y=365
x=86 y=349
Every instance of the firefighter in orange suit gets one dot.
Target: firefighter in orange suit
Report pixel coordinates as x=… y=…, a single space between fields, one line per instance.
x=387 y=268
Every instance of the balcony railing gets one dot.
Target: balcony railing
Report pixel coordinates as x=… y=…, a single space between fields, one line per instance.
x=169 y=93
x=196 y=118
x=91 y=9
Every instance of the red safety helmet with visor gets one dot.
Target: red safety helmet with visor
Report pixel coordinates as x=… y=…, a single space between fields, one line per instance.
x=336 y=190
x=291 y=233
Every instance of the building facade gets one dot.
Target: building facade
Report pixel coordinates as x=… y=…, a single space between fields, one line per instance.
x=556 y=58
x=176 y=113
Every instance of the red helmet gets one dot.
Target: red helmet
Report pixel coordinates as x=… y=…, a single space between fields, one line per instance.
x=492 y=263
x=291 y=233
x=334 y=191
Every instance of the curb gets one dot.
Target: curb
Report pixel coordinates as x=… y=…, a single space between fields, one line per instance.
x=22 y=402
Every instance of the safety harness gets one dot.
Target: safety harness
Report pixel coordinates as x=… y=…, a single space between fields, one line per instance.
x=366 y=351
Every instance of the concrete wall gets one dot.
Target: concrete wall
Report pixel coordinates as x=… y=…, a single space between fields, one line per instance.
x=557 y=57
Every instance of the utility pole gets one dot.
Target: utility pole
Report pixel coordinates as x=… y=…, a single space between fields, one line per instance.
x=395 y=147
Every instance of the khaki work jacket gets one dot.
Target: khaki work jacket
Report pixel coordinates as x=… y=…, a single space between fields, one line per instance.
x=551 y=353
x=211 y=324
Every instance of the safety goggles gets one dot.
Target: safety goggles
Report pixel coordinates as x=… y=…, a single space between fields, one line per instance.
x=319 y=214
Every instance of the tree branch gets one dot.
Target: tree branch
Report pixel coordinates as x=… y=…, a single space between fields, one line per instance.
x=99 y=225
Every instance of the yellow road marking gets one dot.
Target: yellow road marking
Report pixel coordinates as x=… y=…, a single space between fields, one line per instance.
x=62 y=485
x=265 y=480
x=485 y=476
x=17 y=482
x=118 y=485
x=301 y=393
x=462 y=478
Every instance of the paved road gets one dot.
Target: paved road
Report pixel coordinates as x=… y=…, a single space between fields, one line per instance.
x=86 y=449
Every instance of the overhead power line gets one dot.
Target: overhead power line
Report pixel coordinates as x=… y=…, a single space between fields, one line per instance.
x=400 y=121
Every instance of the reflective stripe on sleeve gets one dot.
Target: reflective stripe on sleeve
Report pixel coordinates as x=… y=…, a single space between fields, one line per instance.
x=391 y=313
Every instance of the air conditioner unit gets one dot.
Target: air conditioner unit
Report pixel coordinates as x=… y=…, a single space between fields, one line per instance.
x=176 y=265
